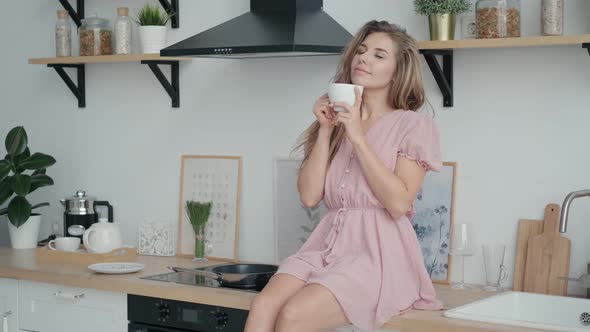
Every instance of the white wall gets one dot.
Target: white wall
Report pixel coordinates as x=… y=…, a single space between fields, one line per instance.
x=518 y=129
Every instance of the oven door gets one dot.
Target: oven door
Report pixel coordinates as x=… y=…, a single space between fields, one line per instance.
x=136 y=327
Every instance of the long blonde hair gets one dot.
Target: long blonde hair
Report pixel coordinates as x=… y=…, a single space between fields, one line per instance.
x=406 y=92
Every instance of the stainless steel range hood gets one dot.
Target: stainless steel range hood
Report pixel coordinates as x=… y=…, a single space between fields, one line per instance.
x=272 y=28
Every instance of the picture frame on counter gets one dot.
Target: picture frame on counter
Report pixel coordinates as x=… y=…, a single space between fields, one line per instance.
x=293 y=223
x=216 y=179
x=433 y=221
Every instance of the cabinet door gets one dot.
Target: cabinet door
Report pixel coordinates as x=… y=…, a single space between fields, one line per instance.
x=47 y=308
x=8 y=305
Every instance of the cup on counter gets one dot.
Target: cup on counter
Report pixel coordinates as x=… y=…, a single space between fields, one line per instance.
x=65 y=244
x=493 y=260
x=342 y=92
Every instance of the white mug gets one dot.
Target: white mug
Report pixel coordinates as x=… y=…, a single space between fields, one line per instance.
x=64 y=244
x=342 y=92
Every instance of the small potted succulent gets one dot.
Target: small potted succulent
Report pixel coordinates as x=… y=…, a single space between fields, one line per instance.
x=441 y=16
x=23 y=224
x=152 y=28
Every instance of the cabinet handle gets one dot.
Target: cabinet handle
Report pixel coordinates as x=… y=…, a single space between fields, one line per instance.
x=68 y=296
x=5 y=320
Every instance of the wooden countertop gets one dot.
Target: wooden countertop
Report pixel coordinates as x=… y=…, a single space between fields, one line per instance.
x=23 y=264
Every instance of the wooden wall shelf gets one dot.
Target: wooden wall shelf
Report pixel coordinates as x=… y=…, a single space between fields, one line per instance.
x=153 y=61
x=444 y=75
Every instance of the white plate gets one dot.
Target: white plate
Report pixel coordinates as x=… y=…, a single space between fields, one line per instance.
x=116 y=268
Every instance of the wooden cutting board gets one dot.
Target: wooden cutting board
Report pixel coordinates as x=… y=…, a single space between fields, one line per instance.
x=526 y=230
x=548 y=257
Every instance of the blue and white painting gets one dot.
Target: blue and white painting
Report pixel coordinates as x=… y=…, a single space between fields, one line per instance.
x=433 y=221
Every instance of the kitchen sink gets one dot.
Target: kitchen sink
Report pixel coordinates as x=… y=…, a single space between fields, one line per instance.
x=540 y=311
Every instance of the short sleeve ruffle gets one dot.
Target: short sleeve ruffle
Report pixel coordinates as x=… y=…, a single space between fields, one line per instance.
x=422 y=144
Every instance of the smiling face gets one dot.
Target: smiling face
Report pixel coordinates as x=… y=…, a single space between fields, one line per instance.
x=373 y=65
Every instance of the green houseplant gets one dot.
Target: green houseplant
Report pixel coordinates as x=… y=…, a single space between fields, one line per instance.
x=441 y=16
x=198 y=214
x=15 y=185
x=152 y=28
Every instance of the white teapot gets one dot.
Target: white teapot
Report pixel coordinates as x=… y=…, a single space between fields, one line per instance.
x=102 y=237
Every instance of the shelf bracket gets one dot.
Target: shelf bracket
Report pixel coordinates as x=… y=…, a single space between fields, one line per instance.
x=172 y=7
x=80 y=90
x=444 y=75
x=173 y=87
x=587 y=47
x=77 y=16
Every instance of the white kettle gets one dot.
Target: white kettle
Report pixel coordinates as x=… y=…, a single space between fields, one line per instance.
x=102 y=237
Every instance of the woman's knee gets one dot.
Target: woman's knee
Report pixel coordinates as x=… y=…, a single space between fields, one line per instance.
x=263 y=303
x=290 y=314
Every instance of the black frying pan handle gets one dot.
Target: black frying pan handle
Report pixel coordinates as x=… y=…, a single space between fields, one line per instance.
x=208 y=274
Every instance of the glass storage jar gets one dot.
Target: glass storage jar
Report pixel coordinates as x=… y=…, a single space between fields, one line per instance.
x=552 y=17
x=497 y=18
x=123 y=31
x=63 y=34
x=95 y=37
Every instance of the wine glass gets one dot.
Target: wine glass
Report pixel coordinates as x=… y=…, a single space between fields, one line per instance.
x=461 y=246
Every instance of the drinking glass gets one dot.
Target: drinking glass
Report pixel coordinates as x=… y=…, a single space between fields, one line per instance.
x=461 y=246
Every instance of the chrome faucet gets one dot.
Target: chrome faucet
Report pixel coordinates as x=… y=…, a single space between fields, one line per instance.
x=563 y=227
x=566 y=207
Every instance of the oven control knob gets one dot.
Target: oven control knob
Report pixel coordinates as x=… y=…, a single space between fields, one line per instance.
x=221 y=319
x=164 y=311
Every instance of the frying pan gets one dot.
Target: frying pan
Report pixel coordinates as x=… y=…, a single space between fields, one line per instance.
x=236 y=275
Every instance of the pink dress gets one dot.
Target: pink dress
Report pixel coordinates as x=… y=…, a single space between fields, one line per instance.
x=370 y=261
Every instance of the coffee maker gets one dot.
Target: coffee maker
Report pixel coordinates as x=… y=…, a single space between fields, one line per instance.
x=80 y=213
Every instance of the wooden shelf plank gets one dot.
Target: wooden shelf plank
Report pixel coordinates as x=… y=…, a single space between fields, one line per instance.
x=104 y=59
x=505 y=42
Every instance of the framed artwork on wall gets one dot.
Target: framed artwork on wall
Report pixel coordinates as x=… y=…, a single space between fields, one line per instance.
x=293 y=223
x=215 y=179
x=433 y=221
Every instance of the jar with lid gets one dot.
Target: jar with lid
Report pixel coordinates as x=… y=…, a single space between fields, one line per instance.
x=95 y=37
x=63 y=34
x=552 y=17
x=497 y=18
x=123 y=31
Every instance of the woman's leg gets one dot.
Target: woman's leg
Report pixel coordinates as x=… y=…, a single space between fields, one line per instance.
x=266 y=305
x=314 y=308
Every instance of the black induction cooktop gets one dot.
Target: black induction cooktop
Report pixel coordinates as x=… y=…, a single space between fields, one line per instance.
x=188 y=278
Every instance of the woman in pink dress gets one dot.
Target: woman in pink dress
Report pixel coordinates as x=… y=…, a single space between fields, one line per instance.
x=362 y=264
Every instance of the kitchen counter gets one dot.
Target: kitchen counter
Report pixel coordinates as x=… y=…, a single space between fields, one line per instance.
x=23 y=264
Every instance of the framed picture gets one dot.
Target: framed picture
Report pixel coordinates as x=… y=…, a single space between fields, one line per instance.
x=433 y=221
x=293 y=223
x=215 y=179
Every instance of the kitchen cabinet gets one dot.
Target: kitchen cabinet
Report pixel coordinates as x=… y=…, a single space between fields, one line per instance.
x=47 y=307
x=8 y=305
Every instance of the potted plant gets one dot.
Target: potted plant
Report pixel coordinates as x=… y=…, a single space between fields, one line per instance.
x=441 y=16
x=23 y=225
x=152 y=28
x=198 y=214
